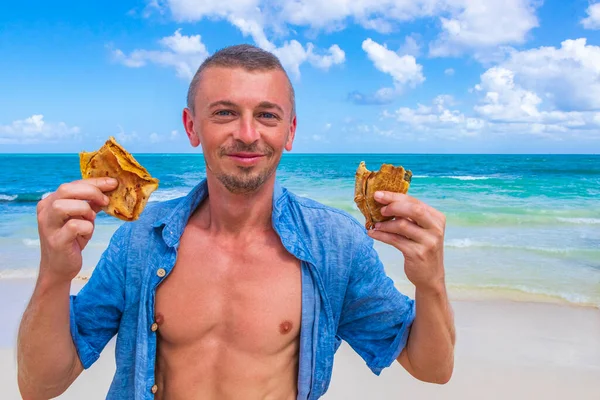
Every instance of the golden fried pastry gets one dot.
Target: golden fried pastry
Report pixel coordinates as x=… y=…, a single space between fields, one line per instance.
x=128 y=200
x=388 y=178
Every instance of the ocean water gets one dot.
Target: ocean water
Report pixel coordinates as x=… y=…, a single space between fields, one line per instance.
x=518 y=226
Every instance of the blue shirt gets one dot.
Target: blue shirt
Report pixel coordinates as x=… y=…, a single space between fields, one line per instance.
x=346 y=294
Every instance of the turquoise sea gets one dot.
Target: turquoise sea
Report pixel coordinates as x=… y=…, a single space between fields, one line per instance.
x=519 y=226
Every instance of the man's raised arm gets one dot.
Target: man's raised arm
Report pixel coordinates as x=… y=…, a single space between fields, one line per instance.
x=429 y=353
x=417 y=230
x=47 y=357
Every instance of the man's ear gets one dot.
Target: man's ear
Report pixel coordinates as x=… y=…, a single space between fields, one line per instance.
x=291 y=135
x=188 y=125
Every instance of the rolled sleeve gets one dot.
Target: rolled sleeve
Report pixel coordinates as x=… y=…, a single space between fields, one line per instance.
x=376 y=318
x=96 y=310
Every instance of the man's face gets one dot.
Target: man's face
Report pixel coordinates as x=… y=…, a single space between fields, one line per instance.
x=243 y=120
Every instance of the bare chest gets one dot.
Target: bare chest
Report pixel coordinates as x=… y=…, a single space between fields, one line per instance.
x=246 y=297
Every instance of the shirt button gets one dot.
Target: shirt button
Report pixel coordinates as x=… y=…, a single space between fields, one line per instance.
x=154 y=327
x=154 y=389
x=161 y=272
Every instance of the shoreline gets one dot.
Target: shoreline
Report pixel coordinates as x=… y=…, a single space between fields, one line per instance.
x=456 y=292
x=504 y=350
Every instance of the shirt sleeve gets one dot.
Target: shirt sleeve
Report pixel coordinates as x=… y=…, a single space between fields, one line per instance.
x=96 y=310
x=375 y=318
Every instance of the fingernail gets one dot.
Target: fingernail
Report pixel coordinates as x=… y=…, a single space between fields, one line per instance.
x=106 y=199
x=383 y=210
x=378 y=225
x=111 y=181
x=378 y=195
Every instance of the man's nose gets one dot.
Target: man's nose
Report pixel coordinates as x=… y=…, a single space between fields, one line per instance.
x=247 y=131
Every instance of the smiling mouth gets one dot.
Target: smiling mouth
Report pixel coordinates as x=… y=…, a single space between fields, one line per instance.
x=245 y=155
x=245 y=158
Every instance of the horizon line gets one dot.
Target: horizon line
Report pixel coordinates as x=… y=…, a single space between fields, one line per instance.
x=331 y=153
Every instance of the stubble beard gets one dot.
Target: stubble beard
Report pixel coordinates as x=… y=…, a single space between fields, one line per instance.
x=247 y=180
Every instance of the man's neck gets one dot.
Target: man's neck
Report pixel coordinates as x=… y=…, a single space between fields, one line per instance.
x=226 y=213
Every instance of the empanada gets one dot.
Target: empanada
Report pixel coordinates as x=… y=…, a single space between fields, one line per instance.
x=388 y=178
x=128 y=200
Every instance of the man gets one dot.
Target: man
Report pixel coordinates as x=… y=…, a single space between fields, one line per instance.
x=240 y=290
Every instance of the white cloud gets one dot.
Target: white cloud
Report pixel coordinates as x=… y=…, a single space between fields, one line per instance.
x=327 y=126
x=547 y=91
x=35 y=130
x=506 y=102
x=292 y=54
x=567 y=77
x=382 y=132
x=438 y=118
x=411 y=46
x=251 y=18
x=194 y=10
x=479 y=25
x=592 y=21
x=335 y=56
x=449 y=71
x=404 y=71
x=369 y=130
x=465 y=24
x=123 y=137
x=154 y=137
x=504 y=107
x=181 y=52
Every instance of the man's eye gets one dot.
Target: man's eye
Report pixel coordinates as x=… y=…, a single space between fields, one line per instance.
x=268 y=115
x=223 y=113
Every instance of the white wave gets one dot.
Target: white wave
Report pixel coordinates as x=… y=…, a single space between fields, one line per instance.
x=18 y=273
x=573 y=298
x=585 y=221
x=190 y=178
x=32 y=273
x=421 y=176
x=31 y=242
x=168 y=194
x=468 y=178
x=7 y=197
x=465 y=243
x=461 y=243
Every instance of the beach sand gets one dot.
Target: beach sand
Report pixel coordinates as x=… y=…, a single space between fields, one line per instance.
x=504 y=350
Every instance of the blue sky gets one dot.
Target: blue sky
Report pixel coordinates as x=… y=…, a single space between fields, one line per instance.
x=401 y=76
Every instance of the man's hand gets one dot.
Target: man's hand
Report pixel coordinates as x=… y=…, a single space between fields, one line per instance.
x=418 y=232
x=66 y=224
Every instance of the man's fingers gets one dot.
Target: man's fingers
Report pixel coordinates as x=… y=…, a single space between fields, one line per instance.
x=104 y=184
x=83 y=190
x=401 y=243
x=404 y=227
x=417 y=212
x=64 y=209
x=384 y=197
x=74 y=228
x=95 y=207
